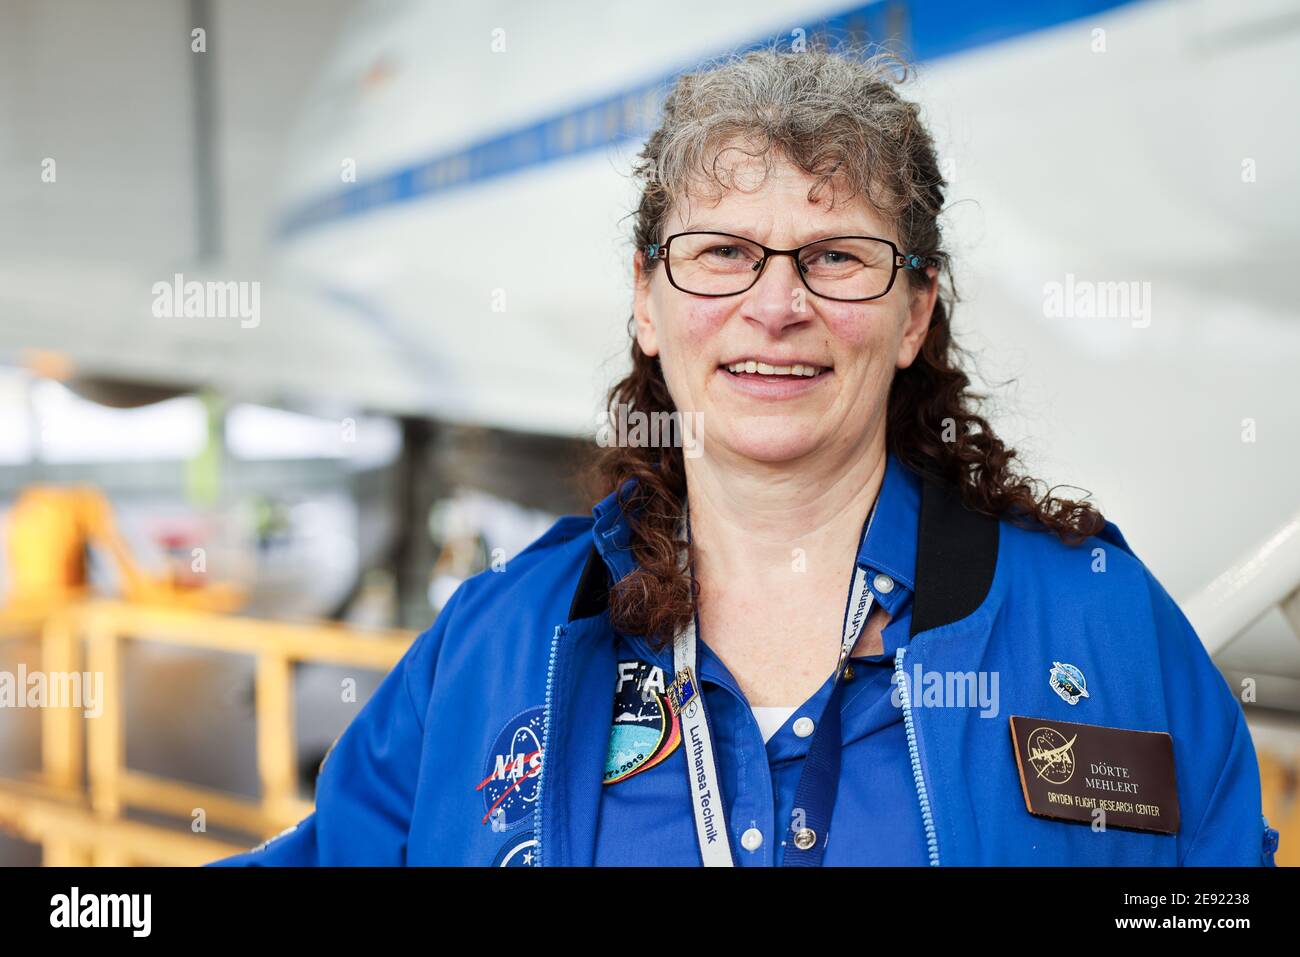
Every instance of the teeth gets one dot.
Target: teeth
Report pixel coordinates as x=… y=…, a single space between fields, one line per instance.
x=762 y=368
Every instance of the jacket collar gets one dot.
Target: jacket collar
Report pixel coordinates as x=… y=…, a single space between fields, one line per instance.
x=890 y=545
x=611 y=532
x=922 y=537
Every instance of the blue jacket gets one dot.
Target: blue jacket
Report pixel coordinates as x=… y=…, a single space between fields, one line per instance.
x=528 y=652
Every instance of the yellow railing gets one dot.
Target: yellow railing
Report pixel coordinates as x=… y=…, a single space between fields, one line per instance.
x=75 y=808
x=78 y=824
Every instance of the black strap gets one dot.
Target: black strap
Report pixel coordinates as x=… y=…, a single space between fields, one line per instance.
x=956 y=556
x=592 y=594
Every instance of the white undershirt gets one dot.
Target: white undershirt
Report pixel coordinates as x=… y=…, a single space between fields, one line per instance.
x=771 y=719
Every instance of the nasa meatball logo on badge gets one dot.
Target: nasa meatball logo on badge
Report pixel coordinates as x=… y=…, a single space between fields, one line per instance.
x=1050 y=755
x=512 y=771
x=644 y=730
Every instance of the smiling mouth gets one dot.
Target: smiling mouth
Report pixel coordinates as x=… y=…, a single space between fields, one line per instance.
x=756 y=369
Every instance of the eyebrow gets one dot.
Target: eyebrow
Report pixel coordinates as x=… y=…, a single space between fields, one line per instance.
x=709 y=228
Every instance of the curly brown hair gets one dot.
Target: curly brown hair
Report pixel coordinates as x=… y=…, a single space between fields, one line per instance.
x=837 y=115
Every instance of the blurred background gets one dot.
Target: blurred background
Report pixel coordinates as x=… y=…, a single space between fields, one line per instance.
x=290 y=344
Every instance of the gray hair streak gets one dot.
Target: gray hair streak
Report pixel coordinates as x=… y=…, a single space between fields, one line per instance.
x=835 y=114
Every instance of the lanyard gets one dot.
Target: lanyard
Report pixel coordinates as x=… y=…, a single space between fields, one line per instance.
x=819 y=779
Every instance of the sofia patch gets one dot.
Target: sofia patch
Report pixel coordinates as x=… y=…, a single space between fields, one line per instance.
x=644 y=731
x=1068 y=682
x=512 y=769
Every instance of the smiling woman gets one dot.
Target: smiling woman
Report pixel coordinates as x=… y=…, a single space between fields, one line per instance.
x=724 y=681
x=792 y=292
x=737 y=141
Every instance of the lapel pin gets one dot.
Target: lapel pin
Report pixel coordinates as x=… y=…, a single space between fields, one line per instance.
x=1067 y=681
x=682 y=691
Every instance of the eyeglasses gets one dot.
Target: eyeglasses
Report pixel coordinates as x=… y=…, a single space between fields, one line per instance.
x=843 y=268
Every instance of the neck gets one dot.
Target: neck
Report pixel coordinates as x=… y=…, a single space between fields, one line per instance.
x=754 y=522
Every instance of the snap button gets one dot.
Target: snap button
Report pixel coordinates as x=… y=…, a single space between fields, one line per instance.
x=805 y=838
x=884 y=584
x=752 y=839
x=804 y=727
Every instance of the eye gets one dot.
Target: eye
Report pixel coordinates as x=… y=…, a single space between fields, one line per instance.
x=724 y=252
x=832 y=257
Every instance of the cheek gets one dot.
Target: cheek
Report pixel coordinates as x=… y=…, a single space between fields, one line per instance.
x=864 y=333
x=693 y=326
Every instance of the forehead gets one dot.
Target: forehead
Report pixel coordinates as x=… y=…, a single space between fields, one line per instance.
x=773 y=201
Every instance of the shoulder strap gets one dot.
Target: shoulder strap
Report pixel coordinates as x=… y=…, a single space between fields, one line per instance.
x=956 y=555
x=592 y=594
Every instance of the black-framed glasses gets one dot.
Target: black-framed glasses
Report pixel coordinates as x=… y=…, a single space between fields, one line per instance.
x=843 y=268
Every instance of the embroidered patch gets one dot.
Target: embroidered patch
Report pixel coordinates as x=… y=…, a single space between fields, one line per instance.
x=516 y=852
x=511 y=771
x=644 y=730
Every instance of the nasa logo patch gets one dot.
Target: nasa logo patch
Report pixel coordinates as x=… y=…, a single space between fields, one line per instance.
x=516 y=852
x=644 y=730
x=512 y=770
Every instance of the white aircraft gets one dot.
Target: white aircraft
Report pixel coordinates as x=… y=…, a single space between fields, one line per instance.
x=452 y=243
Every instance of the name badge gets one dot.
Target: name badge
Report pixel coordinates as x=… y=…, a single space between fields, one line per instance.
x=1069 y=771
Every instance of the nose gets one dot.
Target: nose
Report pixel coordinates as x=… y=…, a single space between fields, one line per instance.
x=779 y=299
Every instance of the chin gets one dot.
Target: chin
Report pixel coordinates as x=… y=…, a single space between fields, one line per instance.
x=771 y=438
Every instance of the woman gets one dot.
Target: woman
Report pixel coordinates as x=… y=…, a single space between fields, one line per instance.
x=837 y=627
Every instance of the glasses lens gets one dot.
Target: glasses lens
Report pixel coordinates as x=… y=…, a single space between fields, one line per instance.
x=716 y=264
x=848 y=268
x=712 y=264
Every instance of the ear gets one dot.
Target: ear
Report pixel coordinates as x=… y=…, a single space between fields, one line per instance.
x=920 y=309
x=646 y=335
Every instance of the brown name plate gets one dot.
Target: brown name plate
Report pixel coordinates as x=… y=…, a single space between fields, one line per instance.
x=1069 y=771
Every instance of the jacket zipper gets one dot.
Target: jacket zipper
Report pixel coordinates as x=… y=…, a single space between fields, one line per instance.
x=922 y=794
x=546 y=746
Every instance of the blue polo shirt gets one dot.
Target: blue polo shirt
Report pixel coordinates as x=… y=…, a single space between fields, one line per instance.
x=645 y=815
